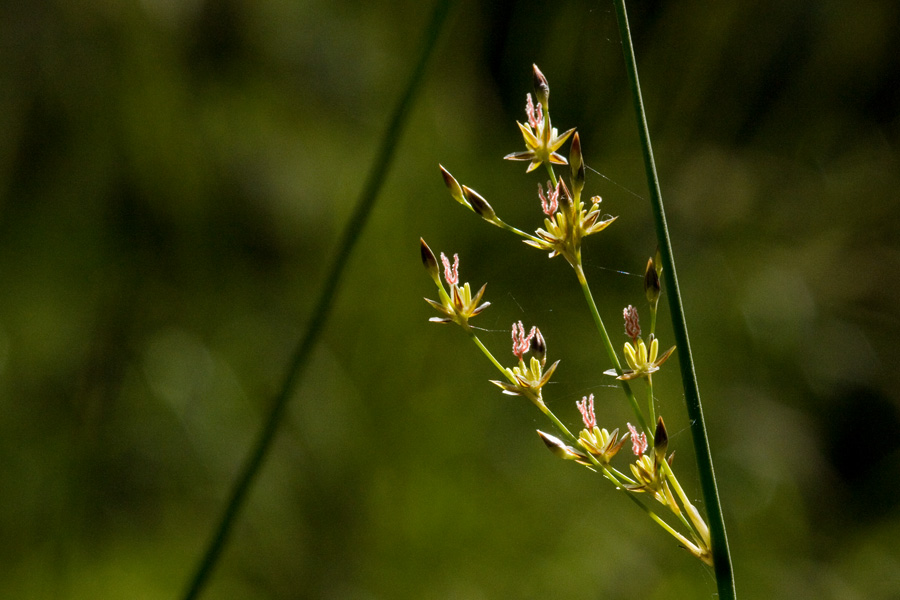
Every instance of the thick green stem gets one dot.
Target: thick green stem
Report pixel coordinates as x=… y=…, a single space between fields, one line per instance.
x=720 y=553
x=607 y=343
x=354 y=227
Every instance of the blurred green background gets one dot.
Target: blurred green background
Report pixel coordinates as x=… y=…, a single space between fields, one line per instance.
x=174 y=176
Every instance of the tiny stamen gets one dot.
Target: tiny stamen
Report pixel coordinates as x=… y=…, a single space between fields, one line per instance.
x=586 y=406
x=550 y=202
x=535 y=113
x=632 y=323
x=451 y=275
x=520 y=342
x=638 y=442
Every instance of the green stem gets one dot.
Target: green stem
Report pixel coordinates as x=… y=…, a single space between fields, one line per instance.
x=559 y=425
x=607 y=343
x=352 y=231
x=720 y=553
x=490 y=356
x=661 y=522
x=550 y=171
x=506 y=226
x=651 y=406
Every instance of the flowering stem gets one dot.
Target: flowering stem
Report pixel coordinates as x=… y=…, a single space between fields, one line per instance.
x=659 y=520
x=506 y=226
x=582 y=281
x=539 y=403
x=551 y=172
x=490 y=356
x=720 y=554
x=651 y=406
x=351 y=235
x=559 y=424
x=700 y=527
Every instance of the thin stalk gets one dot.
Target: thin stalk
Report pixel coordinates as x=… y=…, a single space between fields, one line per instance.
x=719 y=540
x=651 y=406
x=661 y=522
x=352 y=231
x=551 y=172
x=598 y=321
x=490 y=356
x=559 y=424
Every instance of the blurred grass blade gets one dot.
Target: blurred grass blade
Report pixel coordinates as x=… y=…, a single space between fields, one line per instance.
x=354 y=227
x=721 y=554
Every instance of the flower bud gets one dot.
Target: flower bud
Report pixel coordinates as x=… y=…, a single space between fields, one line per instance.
x=539 y=347
x=541 y=88
x=479 y=204
x=557 y=447
x=651 y=283
x=660 y=440
x=576 y=163
x=430 y=261
x=454 y=187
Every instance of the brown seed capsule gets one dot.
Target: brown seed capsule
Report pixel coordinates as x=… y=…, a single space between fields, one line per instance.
x=660 y=440
x=539 y=347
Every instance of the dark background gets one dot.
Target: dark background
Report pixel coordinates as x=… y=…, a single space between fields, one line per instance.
x=174 y=177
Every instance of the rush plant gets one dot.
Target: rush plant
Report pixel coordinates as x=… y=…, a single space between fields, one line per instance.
x=648 y=476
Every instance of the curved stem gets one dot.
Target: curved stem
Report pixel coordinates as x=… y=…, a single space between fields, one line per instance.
x=354 y=227
x=720 y=554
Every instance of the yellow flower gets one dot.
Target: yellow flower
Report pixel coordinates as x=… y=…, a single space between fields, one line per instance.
x=459 y=305
x=641 y=361
x=541 y=139
x=527 y=380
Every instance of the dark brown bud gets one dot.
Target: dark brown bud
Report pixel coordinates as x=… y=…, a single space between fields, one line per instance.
x=660 y=440
x=453 y=186
x=541 y=88
x=539 y=347
x=429 y=260
x=479 y=204
x=651 y=283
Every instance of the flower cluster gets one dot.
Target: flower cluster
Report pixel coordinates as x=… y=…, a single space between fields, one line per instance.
x=567 y=222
